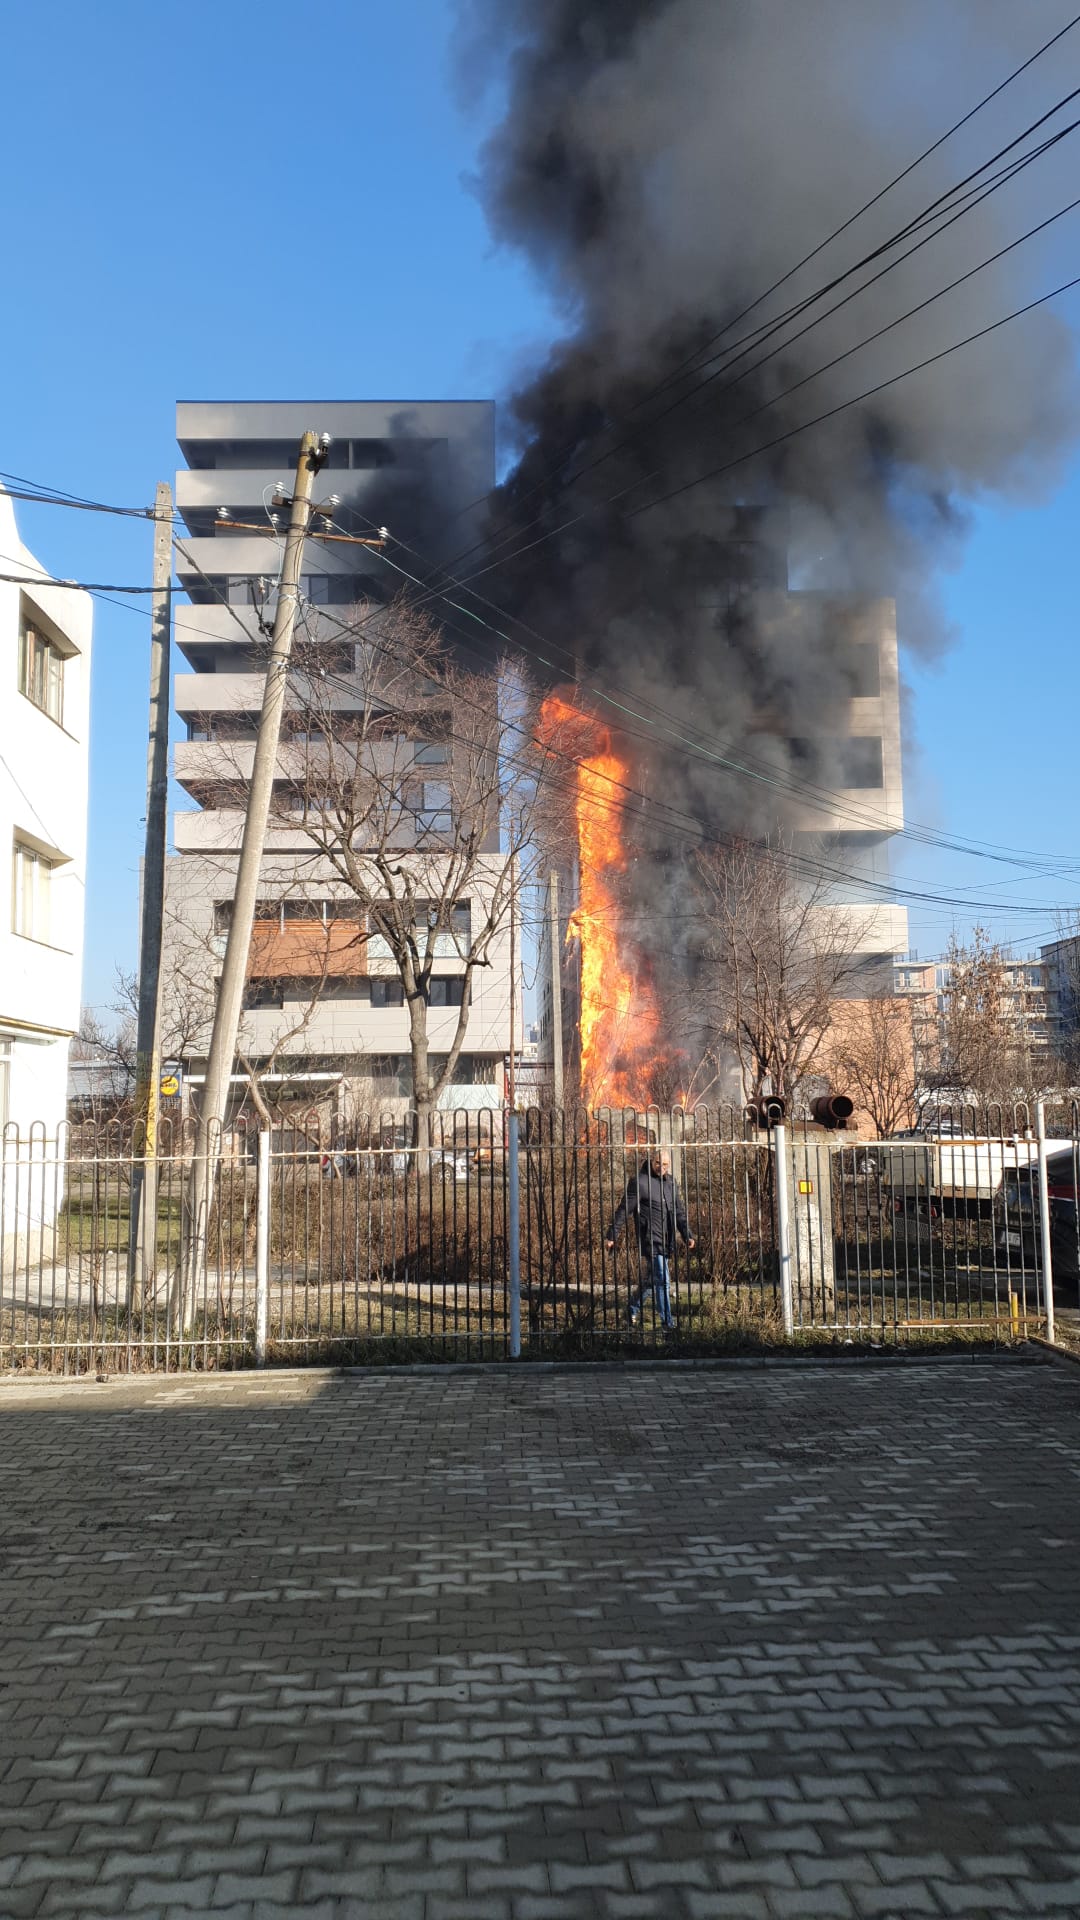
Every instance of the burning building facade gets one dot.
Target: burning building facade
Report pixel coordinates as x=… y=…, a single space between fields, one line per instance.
x=626 y=1028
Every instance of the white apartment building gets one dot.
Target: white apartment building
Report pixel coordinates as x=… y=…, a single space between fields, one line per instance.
x=852 y=802
x=1028 y=987
x=45 y=638
x=414 y=466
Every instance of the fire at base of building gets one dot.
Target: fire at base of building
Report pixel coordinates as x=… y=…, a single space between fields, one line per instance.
x=624 y=1042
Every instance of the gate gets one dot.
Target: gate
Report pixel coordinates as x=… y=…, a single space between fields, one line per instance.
x=579 y=1294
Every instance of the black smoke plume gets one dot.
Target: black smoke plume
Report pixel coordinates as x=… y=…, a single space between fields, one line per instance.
x=661 y=163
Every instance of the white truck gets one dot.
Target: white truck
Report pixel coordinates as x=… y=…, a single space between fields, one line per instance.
x=927 y=1168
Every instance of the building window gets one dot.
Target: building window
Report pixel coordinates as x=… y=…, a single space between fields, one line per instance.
x=41 y=665
x=470 y=1070
x=860 y=761
x=431 y=804
x=392 y=1074
x=853 y=760
x=387 y=993
x=445 y=990
x=432 y=753
x=860 y=665
x=264 y=993
x=31 y=909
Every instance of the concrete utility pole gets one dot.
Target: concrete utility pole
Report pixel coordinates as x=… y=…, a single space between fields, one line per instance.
x=142 y=1232
x=219 y=1065
x=511 y=1085
x=556 y=990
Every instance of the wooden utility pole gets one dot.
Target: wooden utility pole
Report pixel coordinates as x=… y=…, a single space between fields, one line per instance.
x=142 y=1229
x=219 y=1065
x=556 y=990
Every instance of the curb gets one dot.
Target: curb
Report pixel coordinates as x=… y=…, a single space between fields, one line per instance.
x=241 y=1378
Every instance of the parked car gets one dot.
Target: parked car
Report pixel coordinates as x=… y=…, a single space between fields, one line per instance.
x=1018 y=1214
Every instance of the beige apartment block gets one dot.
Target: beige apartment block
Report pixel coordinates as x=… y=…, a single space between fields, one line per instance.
x=323 y=1001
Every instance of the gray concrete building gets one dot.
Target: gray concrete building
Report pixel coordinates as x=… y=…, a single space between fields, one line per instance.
x=423 y=469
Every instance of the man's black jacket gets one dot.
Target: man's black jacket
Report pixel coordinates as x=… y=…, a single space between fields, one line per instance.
x=653 y=1199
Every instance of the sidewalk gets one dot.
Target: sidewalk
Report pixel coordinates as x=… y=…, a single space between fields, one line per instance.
x=503 y=1646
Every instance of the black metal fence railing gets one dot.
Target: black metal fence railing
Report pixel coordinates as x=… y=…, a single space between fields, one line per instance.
x=330 y=1246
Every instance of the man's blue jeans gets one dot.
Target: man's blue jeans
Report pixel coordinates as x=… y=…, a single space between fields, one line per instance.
x=654 y=1281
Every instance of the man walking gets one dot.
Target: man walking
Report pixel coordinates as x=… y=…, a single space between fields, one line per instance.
x=653 y=1199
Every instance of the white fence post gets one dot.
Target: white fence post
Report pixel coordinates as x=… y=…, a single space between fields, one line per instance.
x=513 y=1233
x=262 y=1246
x=1044 y=1220
x=783 y=1226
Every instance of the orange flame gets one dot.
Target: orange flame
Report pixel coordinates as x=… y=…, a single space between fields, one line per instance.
x=621 y=1046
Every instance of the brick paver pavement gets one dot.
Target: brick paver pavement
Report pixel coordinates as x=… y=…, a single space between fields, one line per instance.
x=494 y=1646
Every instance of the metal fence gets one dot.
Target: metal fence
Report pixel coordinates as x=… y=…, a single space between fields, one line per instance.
x=494 y=1239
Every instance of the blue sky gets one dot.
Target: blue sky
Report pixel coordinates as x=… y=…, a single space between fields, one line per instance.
x=229 y=201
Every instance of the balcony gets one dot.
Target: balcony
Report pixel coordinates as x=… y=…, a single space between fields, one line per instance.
x=215 y=625
x=372 y=490
x=254 y=555
x=196 y=693
x=308 y=950
x=218 y=692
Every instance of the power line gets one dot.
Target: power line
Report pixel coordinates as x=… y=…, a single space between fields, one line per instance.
x=796 y=789
x=753 y=453
x=77 y=506
x=689 y=363
x=79 y=586
x=691 y=829
x=428 y=593
x=800 y=790
x=894 y=182
x=700 y=401
x=759 y=335
x=868 y=394
x=816 y=868
x=694 y=831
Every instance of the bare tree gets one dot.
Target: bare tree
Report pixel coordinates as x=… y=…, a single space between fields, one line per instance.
x=418 y=785
x=870 y=1054
x=985 y=1041
x=777 y=956
x=103 y=1062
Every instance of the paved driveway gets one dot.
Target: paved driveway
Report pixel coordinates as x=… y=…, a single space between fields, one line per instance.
x=458 y=1645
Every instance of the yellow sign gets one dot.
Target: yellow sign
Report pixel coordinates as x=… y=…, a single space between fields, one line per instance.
x=806 y=1186
x=170 y=1086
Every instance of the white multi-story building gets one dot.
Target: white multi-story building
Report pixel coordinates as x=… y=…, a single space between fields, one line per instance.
x=416 y=467
x=45 y=637
x=1027 y=1003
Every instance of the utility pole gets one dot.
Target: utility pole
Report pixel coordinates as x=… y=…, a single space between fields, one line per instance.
x=556 y=990
x=219 y=1065
x=511 y=1088
x=142 y=1228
